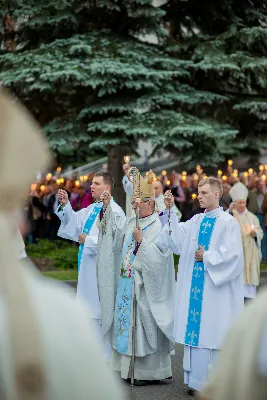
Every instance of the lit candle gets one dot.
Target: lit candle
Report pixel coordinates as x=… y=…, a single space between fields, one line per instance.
x=163 y=173
x=168 y=183
x=184 y=173
x=58 y=169
x=49 y=176
x=77 y=183
x=250 y=171
x=220 y=172
x=81 y=178
x=58 y=181
x=230 y=162
x=224 y=178
x=246 y=174
x=194 y=196
x=42 y=187
x=261 y=168
x=127 y=159
x=33 y=187
x=195 y=176
x=184 y=177
x=263 y=177
x=62 y=180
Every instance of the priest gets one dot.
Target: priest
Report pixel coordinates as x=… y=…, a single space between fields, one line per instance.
x=252 y=235
x=209 y=291
x=82 y=227
x=134 y=272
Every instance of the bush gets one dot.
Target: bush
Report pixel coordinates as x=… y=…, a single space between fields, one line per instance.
x=62 y=254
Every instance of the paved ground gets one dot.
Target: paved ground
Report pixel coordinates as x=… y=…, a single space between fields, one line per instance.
x=169 y=389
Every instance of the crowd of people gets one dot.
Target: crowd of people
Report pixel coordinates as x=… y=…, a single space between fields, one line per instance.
x=126 y=286
x=42 y=202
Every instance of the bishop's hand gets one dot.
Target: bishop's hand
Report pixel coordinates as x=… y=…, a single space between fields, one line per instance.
x=105 y=198
x=138 y=235
x=168 y=200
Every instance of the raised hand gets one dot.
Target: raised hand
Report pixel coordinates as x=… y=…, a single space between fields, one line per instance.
x=168 y=199
x=62 y=197
x=105 y=198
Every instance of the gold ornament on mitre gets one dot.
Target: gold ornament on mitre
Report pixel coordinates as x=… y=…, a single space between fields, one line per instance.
x=143 y=188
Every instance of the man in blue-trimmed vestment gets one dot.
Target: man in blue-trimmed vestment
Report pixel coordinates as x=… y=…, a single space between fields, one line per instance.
x=209 y=292
x=130 y=259
x=82 y=227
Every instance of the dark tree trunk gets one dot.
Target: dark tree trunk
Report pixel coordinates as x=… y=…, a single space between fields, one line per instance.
x=115 y=164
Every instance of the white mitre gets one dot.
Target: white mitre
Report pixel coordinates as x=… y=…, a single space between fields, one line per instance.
x=239 y=192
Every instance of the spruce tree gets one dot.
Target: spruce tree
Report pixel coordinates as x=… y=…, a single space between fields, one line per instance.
x=81 y=69
x=226 y=42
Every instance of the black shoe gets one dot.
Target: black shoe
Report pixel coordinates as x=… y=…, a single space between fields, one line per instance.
x=170 y=377
x=191 y=392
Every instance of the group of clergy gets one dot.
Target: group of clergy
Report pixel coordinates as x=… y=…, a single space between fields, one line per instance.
x=127 y=275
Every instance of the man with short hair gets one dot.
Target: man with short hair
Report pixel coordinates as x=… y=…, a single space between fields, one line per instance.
x=131 y=262
x=209 y=293
x=82 y=227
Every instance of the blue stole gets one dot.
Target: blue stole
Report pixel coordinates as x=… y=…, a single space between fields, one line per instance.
x=192 y=332
x=87 y=228
x=124 y=295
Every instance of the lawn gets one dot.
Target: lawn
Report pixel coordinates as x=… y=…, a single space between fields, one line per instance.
x=58 y=259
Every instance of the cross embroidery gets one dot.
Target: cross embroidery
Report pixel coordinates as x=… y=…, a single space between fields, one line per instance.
x=192 y=335
x=195 y=291
x=194 y=314
x=197 y=268
x=205 y=226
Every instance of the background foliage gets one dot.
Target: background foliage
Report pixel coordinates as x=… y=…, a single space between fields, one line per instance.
x=95 y=87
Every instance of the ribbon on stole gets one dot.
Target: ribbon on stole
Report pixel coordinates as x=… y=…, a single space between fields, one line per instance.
x=87 y=229
x=124 y=295
x=192 y=332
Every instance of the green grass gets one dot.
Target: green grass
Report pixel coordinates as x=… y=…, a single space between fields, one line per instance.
x=67 y=275
x=63 y=254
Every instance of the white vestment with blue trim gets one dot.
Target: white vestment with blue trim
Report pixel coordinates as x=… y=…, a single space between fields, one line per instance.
x=209 y=295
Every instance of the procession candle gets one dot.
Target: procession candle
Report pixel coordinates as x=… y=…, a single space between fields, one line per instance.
x=198 y=167
x=194 y=196
x=250 y=171
x=42 y=188
x=81 y=178
x=263 y=177
x=58 y=181
x=261 y=168
x=58 y=169
x=164 y=173
x=62 y=180
x=219 y=173
x=168 y=183
x=230 y=162
x=77 y=183
x=224 y=178
x=195 y=176
x=127 y=159
x=184 y=173
x=184 y=177
x=33 y=187
x=49 y=176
